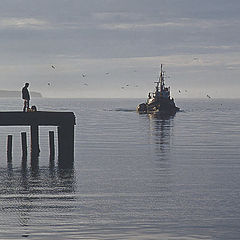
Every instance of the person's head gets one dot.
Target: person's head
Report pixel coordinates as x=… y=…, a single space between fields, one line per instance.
x=26 y=84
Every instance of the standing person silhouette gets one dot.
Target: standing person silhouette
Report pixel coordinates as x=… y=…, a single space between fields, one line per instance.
x=25 y=97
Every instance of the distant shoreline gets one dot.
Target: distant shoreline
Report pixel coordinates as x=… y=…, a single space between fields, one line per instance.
x=17 y=94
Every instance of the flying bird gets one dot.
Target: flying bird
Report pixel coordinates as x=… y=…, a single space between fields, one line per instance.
x=84 y=75
x=53 y=67
x=208 y=96
x=107 y=73
x=179 y=91
x=49 y=84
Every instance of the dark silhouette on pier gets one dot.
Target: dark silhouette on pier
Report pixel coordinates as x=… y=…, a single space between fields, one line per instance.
x=25 y=97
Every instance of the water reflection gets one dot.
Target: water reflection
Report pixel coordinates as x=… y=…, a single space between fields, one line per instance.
x=34 y=194
x=34 y=165
x=160 y=127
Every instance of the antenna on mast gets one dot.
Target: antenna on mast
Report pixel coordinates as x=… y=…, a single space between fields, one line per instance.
x=161 y=79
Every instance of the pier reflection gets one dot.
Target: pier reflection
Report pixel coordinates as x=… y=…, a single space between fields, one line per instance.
x=30 y=194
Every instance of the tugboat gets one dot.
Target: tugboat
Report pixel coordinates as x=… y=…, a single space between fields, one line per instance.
x=159 y=102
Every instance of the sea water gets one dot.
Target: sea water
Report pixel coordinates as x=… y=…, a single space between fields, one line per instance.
x=134 y=176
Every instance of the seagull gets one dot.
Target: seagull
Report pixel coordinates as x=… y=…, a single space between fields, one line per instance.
x=84 y=75
x=49 y=84
x=179 y=91
x=208 y=96
x=53 y=67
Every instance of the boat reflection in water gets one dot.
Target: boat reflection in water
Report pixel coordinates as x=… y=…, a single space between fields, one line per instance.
x=161 y=127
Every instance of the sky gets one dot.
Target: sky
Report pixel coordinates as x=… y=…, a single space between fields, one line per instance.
x=114 y=48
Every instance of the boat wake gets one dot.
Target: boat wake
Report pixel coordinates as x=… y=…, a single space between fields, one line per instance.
x=120 y=110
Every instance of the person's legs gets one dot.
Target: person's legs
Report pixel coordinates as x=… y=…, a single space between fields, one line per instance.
x=26 y=105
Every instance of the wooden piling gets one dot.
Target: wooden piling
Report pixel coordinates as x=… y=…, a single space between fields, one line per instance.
x=65 y=146
x=9 y=148
x=24 y=145
x=51 y=145
x=34 y=140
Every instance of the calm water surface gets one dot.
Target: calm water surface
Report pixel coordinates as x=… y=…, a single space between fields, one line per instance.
x=134 y=176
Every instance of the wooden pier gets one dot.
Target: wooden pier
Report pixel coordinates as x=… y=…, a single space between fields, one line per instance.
x=64 y=121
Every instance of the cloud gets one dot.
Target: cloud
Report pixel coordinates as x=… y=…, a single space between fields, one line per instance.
x=131 y=26
x=184 y=23
x=22 y=23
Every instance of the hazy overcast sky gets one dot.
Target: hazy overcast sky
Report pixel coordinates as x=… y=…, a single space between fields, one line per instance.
x=99 y=46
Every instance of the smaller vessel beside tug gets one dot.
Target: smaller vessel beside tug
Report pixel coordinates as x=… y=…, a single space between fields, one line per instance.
x=159 y=102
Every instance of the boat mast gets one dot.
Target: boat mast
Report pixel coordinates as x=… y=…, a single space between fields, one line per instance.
x=161 y=80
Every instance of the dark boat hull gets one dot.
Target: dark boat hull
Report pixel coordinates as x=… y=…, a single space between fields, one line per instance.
x=163 y=106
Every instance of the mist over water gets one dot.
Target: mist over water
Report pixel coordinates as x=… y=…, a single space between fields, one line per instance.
x=134 y=176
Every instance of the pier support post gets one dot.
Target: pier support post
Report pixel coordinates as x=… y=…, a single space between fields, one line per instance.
x=24 y=145
x=9 y=148
x=66 y=146
x=51 y=146
x=34 y=140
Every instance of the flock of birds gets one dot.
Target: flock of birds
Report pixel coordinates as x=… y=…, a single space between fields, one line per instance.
x=84 y=75
x=207 y=95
